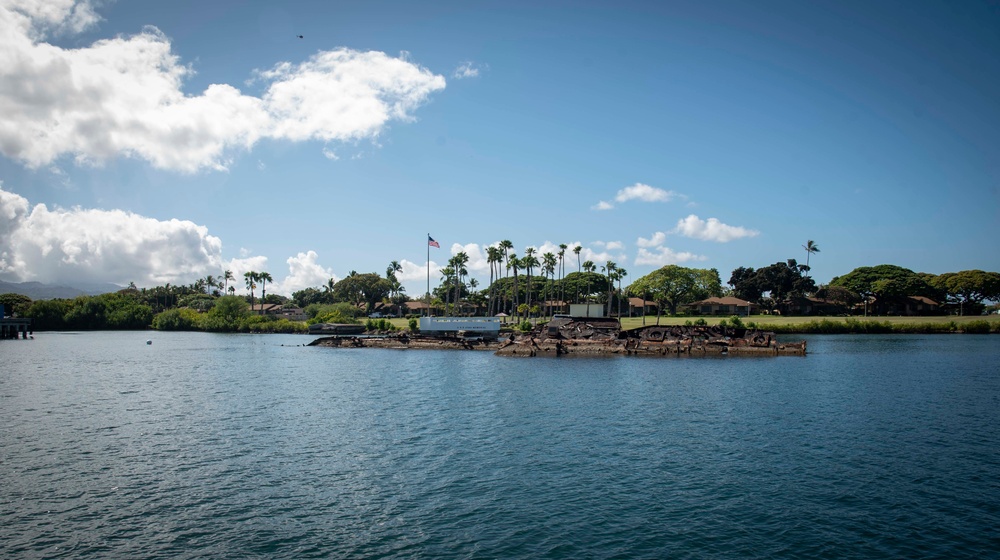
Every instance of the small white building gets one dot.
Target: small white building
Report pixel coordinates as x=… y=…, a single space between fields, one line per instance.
x=586 y=310
x=487 y=327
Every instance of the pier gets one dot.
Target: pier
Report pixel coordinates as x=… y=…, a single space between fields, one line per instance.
x=11 y=328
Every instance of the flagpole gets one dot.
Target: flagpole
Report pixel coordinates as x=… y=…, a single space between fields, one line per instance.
x=428 y=274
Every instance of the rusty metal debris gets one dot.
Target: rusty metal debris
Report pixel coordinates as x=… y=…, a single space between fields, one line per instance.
x=592 y=336
x=604 y=336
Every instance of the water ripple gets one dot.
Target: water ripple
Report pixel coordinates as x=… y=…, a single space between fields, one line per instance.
x=221 y=446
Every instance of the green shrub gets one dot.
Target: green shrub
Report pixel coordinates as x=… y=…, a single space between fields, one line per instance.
x=976 y=327
x=414 y=324
x=701 y=322
x=525 y=326
x=272 y=325
x=380 y=325
x=184 y=319
x=335 y=317
x=346 y=311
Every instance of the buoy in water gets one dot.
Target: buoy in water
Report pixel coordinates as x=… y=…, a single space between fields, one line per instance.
x=149 y=342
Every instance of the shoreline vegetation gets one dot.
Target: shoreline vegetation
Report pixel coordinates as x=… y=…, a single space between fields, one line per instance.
x=781 y=298
x=983 y=324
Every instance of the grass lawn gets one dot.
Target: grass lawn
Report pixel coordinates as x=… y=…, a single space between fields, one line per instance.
x=764 y=321
x=779 y=323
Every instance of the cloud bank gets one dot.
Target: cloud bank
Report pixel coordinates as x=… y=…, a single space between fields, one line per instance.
x=123 y=96
x=711 y=230
x=82 y=246
x=86 y=245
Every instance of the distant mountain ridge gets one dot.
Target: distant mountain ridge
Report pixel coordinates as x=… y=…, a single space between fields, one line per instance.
x=38 y=290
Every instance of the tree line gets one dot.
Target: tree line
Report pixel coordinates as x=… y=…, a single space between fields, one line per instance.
x=521 y=286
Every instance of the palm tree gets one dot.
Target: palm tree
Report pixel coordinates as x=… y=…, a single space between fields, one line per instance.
x=610 y=267
x=549 y=262
x=577 y=250
x=529 y=262
x=493 y=256
x=447 y=274
x=461 y=273
x=227 y=276
x=621 y=273
x=211 y=282
x=810 y=248
x=562 y=270
x=589 y=266
x=506 y=246
x=264 y=278
x=473 y=284
x=390 y=275
x=513 y=262
x=251 y=279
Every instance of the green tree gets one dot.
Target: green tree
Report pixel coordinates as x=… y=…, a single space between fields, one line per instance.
x=674 y=285
x=226 y=316
x=746 y=285
x=783 y=280
x=368 y=288
x=308 y=296
x=879 y=282
x=585 y=284
x=968 y=288
x=177 y=320
x=49 y=314
x=15 y=304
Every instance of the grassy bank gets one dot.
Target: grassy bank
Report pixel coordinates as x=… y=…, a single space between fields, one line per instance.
x=845 y=325
x=832 y=325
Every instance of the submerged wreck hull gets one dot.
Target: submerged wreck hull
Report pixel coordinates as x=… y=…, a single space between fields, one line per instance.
x=592 y=337
x=583 y=336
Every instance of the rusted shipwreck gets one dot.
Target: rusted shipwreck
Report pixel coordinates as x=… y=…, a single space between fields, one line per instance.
x=597 y=336
x=592 y=336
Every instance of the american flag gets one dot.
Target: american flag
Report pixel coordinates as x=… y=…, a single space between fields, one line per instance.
x=432 y=243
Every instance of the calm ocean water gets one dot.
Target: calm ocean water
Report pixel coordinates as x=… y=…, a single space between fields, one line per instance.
x=247 y=446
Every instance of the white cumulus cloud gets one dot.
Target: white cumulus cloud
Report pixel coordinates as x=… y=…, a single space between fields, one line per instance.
x=659 y=238
x=465 y=70
x=123 y=96
x=662 y=256
x=711 y=230
x=602 y=205
x=86 y=245
x=645 y=193
x=304 y=272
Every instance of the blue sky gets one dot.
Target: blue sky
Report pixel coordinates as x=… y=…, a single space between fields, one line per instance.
x=153 y=142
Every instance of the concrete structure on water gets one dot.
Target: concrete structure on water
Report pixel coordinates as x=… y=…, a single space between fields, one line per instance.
x=11 y=327
x=486 y=327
